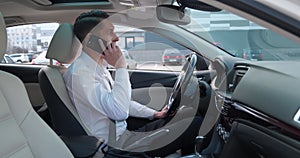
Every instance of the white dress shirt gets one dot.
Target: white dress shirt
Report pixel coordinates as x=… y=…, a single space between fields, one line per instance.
x=89 y=86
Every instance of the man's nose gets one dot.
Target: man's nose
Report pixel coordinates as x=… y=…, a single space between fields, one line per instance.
x=115 y=38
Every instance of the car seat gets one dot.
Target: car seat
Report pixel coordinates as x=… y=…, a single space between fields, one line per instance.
x=22 y=132
x=65 y=48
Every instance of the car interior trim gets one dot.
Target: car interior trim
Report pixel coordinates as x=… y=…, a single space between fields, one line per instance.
x=297 y=116
x=258 y=117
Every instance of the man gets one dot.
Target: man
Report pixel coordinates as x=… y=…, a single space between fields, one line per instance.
x=98 y=99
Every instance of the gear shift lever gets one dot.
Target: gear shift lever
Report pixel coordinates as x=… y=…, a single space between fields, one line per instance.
x=199 y=145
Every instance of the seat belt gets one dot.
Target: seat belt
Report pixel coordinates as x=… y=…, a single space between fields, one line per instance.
x=52 y=74
x=112 y=135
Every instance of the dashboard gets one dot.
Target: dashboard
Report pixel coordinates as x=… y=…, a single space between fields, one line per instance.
x=259 y=104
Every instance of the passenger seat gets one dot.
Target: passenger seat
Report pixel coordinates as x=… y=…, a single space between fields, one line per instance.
x=22 y=132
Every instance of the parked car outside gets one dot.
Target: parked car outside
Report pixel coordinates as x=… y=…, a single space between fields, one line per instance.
x=130 y=63
x=7 y=60
x=42 y=60
x=250 y=54
x=172 y=56
x=20 y=57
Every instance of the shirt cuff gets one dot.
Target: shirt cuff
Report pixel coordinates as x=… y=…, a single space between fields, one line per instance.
x=151 y=113
x=121 y=75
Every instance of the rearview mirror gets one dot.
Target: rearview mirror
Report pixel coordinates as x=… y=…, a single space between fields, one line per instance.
x=172 y=15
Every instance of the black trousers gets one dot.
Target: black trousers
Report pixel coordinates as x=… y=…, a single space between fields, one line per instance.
x=185 y=141
x=181 y=134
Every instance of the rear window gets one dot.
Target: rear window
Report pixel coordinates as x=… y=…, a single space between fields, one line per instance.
x=15 y=55
x=25 y=42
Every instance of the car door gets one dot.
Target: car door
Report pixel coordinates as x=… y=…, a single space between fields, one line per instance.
x=152 y=81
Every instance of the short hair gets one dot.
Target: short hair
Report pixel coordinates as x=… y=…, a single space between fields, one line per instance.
x=86 y=21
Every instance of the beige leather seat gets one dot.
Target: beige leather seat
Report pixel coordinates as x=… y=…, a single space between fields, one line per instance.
x=65 y=48
x=22 y=132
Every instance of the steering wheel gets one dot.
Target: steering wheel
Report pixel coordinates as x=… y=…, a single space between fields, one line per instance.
x=181 y=83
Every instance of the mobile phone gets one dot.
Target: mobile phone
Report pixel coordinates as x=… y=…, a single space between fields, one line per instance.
x=93 y=43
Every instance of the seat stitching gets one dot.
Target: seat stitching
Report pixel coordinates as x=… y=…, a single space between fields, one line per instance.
x=7 y=102
x=9 y=116
x=19 y=148
x=5 y=118
x=25 y=117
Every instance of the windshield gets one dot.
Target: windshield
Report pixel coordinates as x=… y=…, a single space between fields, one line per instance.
x=241 y=37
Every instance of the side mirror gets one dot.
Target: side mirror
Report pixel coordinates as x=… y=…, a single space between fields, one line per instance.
x=172 y=15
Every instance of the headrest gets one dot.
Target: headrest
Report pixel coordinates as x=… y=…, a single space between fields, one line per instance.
x=3 y=37
x=64 y=47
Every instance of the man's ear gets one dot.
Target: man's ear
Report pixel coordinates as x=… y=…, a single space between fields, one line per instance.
x=86 y=38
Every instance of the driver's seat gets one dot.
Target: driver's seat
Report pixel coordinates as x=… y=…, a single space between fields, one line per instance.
x=64 y=47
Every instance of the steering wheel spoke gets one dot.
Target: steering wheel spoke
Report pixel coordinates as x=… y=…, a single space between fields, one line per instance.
x=181 y=83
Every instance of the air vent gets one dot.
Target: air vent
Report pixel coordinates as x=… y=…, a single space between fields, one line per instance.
x=240 y=71
x=297 y=116
x=42 y=2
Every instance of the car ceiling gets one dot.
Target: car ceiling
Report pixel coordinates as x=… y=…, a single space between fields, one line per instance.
x=34 y=11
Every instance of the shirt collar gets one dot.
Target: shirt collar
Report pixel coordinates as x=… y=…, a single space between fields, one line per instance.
x=92 y=64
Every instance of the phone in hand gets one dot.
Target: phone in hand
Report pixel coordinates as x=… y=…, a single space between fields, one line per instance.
x=93 y=43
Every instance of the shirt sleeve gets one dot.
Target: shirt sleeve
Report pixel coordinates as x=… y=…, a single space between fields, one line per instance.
x=139 y=110
x=119 y=100
x=93 y=90
x=116 y=103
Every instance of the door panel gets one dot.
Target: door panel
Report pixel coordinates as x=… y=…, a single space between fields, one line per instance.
x=27 y=73
x=153 y=88
x=154 y=97
x=29 y=76
x=140 y=78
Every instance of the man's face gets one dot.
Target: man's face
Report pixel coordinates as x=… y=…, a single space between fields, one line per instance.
x=106 y=31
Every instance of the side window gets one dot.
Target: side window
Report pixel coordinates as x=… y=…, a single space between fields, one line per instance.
x=25 y=43
x=148 y=51
x=8 y=59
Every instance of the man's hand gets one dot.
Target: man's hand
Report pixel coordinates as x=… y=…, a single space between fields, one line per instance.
x=161 y=114
x=114 y=56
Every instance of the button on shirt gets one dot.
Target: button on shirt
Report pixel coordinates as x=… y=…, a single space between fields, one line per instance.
x=98 y=98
